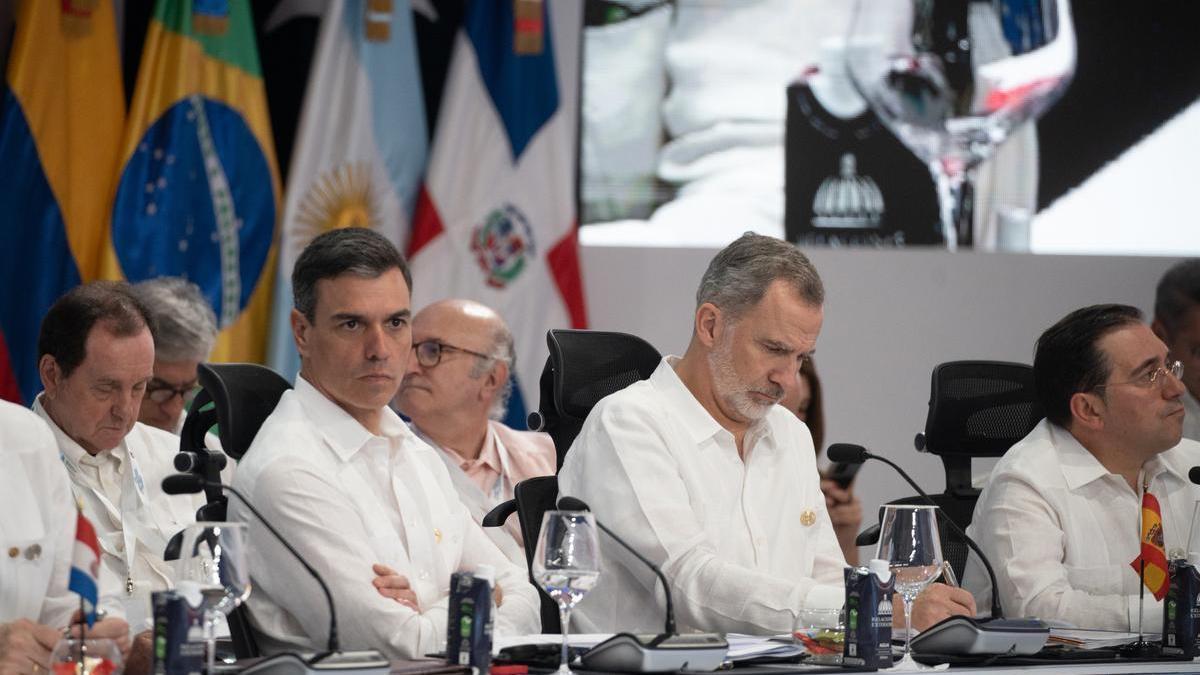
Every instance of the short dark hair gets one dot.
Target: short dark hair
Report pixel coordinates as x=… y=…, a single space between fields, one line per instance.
x=738 y=276
x=66 y=326
x=352 y=250
x=1067 y=360
x=1178 y=291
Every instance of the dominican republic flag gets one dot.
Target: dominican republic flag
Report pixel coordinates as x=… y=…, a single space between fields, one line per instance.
x=361 y=144
x=496 y=218
x=1151 y=563
x=85 y=568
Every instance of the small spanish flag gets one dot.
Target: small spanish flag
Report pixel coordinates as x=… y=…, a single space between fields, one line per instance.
x=1154 y=554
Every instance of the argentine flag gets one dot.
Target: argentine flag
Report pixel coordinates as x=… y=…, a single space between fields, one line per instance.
x=361 y=144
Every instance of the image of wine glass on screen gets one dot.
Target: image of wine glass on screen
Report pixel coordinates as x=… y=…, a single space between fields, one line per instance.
x=952 y=79
x=566 y=564
x=212 y=575
x=910 y=543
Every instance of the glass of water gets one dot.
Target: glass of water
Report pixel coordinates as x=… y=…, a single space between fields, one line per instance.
x=566 y=563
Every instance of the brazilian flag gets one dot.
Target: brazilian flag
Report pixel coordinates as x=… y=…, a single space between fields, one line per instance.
x=198 y=190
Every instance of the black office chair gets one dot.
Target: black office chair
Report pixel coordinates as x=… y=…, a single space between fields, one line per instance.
x=584 y=366
x=532 y=497
x=237 y=398
x=976 y=409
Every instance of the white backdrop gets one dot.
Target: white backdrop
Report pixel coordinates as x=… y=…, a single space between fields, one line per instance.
x=890 y=317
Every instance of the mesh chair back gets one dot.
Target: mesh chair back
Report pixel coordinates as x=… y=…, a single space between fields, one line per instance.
x=980 y=408
x=584 y=366
x=534 y=497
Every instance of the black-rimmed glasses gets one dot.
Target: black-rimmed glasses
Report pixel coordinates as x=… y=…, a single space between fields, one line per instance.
x=161 y=391
x=429 y=352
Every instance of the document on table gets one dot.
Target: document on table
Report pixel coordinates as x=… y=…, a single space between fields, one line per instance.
x=1083 y=638
x=747 y=647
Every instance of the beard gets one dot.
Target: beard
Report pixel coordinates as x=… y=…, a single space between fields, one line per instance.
x=735 y=394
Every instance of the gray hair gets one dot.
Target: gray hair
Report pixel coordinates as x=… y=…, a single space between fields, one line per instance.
x=1178 y=291
x=185 y=324
x=738 y=277
x=501 y=351
x=352 y=250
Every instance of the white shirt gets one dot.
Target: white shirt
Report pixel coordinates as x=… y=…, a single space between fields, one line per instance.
x=1191 y=416
x=345 y=499
x=744 y=545
x=121 y=493
x=1061 y=531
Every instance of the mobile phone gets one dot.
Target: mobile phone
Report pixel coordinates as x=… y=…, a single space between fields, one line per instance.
x=843 y=473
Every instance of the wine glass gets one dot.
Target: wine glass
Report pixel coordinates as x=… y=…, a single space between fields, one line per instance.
x=954 y=78
x=90 y=656
x=211 y=573
x=1193 y=544
x=909 y=541
x=566 y=563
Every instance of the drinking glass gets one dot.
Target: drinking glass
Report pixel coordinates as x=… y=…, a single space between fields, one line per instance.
x=566 y=563
x=909 y=541
x=212 y=573
x=953 y=79
x=91 y=656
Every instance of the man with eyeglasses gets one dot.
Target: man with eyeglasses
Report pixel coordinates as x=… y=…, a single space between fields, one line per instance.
x=96 y=357
x=455 y=391
x=1060 y=515
x=186 y=330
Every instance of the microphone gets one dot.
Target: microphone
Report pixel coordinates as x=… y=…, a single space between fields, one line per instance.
x=669 y=651
x=574 y=504
x=190 y=483
x=1194 y=475
x=857 y=454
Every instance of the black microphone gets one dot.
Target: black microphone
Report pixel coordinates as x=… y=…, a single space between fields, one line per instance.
x=574 y=504
x=857 y=454
x=189 y=483
x=1194 y=475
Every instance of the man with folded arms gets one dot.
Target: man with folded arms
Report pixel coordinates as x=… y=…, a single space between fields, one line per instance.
x=705 y=475
x=455 y=392
x=368 y=504
x=1059 y=517
x=37 y=540
x=96 y=357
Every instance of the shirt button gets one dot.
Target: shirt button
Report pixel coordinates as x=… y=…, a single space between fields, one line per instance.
x=423 y=575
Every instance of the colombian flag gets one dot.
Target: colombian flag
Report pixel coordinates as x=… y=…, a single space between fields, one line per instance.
x=198 y=190
x=1154 y=554
x=61 y=120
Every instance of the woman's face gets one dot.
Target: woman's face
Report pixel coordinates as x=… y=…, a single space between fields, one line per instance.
x=797 y=397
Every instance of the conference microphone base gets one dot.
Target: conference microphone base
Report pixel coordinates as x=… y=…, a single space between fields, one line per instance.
x=368 y=662
x=628 y=653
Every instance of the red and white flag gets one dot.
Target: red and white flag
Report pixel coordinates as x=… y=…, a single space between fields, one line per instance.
x=496 y=217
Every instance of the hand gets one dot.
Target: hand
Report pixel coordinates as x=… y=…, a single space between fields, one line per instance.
x=392 y=584
x=845 y=510
x=25 y=647
x=937 y=602
x=139 y=660
x=112 y=628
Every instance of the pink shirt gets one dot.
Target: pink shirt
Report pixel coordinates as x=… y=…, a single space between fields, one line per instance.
x=528 y=454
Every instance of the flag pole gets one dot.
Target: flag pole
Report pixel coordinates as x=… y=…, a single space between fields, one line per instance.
x=1141 y=599
x=82 y=636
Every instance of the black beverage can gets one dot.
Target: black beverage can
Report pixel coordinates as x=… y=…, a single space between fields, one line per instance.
x=1181 y=615
x=868 y=617
x=178 y=635
x=469 y=620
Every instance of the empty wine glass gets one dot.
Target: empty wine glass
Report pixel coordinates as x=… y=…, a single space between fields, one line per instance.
x=953 y=79
x=566 y=563
x=909 y=541
x=212 y=573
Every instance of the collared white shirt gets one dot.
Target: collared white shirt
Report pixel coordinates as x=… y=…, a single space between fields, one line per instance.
x=346 y=499
x=121 y=493
x=744 y=544
x=1061 y=531
x=38 y=531
x=1191 y=416
x=508 y=457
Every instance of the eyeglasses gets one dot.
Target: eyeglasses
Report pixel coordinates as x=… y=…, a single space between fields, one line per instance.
x=1156 y=376
x=429 y=352
x=161 y=391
